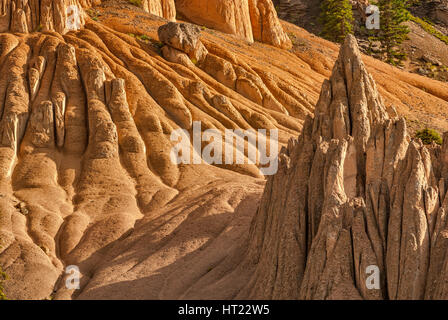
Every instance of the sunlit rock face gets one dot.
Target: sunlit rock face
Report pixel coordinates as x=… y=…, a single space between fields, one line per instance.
x=23 y=16
x=161 y=8
x=87 y=178
x=247 y=19
x=353 y=193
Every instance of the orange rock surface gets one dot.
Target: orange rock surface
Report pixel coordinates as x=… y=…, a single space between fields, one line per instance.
x=86 y=177
x=248 y=19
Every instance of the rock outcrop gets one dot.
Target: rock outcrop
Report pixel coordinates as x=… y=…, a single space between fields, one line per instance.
x=291 y=10
x=353 y=195
x=85 y=141
x=254 y=19
x=248 y=19
x=86 y=176
x=183 y=46
x=161 y=8
x=181 y=39
x=440 y=11
x=230 y=16
x=265 y=24
x=25 y=16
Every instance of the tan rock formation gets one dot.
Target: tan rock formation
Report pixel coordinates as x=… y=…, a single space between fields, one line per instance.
x=359 y=194
x=183 y=46
x=25 y=16
x=251 y=20
x=85 y=144
x=248 y=19
x=161 y=8
x=86 y=176
x=291 y=10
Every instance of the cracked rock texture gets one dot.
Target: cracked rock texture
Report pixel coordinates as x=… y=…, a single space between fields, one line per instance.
x=161 y=8
x=254 y=19
x=25 y=16
x=248 y=19
x=359 y=193
x=86 y=179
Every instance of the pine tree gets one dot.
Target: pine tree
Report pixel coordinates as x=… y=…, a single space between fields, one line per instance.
x=392 y=31
x=337 y=19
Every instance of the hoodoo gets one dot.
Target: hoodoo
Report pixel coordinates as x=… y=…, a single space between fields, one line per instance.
x=25 y=16
x=359 y=193
x=248 y=19
x=92 y=97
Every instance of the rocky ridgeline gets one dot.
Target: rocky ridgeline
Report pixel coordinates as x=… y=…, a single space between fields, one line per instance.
x=161 y=8
x=250 y=20
x=353 y=191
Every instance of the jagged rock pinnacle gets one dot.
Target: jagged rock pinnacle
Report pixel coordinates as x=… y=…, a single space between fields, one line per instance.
x=358 y=195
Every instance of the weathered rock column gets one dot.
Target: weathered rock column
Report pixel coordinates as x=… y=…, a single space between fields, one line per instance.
x=353 y=195
x=25 y=16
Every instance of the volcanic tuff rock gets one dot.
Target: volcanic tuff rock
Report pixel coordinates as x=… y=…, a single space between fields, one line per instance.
x=351 y=192
x=254 y=19
x=440 y=11
x=183 y=46
x=265 y=25
x=248 y=19
x=291 y=10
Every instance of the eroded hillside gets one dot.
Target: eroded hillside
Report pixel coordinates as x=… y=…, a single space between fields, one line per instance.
x=86 y=177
